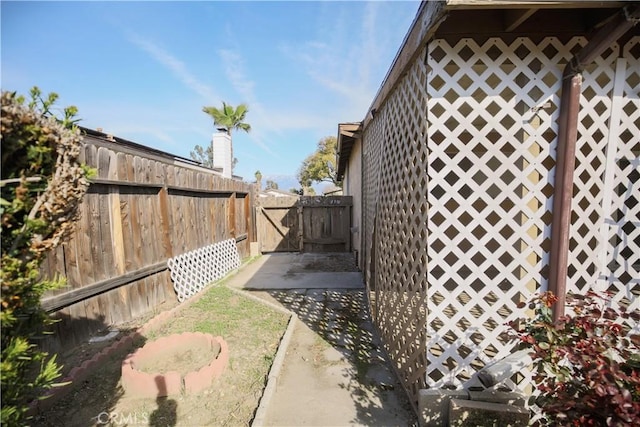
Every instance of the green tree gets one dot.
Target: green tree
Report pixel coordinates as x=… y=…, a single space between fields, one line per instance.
x=271 y=185
x=298 y=191
x=258 y=176
x=203 y=155
x=42 y=185
x=319 y=166
x=229 y=119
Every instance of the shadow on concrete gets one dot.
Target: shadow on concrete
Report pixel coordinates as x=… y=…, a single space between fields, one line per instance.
x=347 y=347
x=341 y=318
x=334 y=270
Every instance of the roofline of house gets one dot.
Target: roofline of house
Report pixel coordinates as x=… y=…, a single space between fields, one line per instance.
x=107 y=140
x=277 y=190
x=529 y=4
x=433 y=13
x=428 y=18
x=348 y=133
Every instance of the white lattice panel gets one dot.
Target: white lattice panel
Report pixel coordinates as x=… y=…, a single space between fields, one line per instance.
x=478 y=190
x=401 y=256
x=194 y=270
x=372 y=153
x=395 y=213
x=621 y=274
x=492 y=114
x=587 y=205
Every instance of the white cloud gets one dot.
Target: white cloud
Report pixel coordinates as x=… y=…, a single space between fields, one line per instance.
x=235 y=72
x=173 y=64
x=272 y=120
x=267 y=123
x=343 y=62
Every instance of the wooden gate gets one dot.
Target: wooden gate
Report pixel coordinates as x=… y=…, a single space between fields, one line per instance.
x=305 y=224
x=277 y=223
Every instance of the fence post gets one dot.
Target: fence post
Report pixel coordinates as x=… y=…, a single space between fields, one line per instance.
x=232 y=215
x=247 y=217
x=300 y=227
x=165 y=222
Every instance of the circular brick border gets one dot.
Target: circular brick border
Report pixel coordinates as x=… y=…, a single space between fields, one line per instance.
x=120 y=346
x=152 y=385
x=87 y=367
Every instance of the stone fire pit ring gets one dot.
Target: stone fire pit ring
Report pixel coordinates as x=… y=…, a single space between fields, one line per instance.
x=172 y=383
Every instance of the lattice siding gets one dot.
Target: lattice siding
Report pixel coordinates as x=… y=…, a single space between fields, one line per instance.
x=490 y=138
x=588 y=214
x=458 y=169
x=194 y=270
x=395 y=177
x=621 y=229
x=374 y=135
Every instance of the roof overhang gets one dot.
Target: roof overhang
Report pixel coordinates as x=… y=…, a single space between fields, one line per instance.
x=481 y=19
x=348 y=133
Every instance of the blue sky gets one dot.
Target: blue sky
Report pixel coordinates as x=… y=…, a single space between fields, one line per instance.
x=143 y=70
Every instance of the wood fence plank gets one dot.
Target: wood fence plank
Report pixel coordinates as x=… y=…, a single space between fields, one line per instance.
x=156 y=228
x=110 y=220
x=165 y=223
x=178 y=205
x=231 y=218
x=130 y=168
x=117 y=232
x=139 y=211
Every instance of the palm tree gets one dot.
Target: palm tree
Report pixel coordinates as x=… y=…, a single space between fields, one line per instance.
x=229 y=118
x=259 y=180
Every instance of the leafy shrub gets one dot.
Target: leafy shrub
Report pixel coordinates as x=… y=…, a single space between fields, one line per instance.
x=587 y=369
x=42 y=184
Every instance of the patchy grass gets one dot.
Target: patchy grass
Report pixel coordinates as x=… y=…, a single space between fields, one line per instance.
x=252 y=332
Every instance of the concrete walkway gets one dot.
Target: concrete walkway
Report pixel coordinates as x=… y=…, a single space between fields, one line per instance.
x=300 y=271
x=334 y=372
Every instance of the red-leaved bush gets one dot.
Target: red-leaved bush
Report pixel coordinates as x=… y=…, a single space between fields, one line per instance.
x=587 y=365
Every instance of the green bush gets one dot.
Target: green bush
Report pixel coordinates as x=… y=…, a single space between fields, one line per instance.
x=42 y=184
x=587 y=369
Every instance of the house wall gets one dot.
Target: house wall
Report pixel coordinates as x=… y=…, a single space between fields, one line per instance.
x=352 y=186
x=395 y=216
x=458 y=168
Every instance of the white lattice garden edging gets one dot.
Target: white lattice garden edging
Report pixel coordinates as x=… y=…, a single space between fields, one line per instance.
x=194 y=270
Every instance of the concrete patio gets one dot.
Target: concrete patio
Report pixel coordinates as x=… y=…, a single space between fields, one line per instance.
x=334 y=371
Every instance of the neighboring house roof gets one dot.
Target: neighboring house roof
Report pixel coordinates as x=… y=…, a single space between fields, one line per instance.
x=348 y=133
x=277 y=193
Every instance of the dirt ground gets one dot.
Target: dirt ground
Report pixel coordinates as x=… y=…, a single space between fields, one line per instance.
x=333 y=366
x=252 y=332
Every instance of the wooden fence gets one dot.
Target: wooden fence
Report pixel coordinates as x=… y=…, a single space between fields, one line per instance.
x=144 y=207
x=305 y=224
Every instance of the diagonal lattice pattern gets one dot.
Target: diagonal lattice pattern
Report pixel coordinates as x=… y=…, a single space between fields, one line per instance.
x=395 y=209
x=593 y=129
x=621 y=228
x=192 y=271
x=458 y=172
x=491 y=134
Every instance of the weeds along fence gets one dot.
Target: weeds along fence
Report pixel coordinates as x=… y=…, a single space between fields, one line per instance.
x=143 y=207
